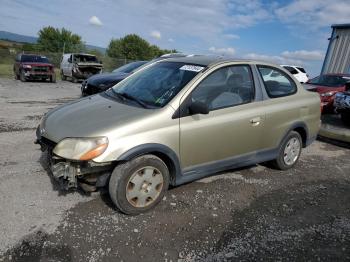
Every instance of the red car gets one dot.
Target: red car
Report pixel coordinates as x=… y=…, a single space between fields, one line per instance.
x=327 y=86
x=33 y=67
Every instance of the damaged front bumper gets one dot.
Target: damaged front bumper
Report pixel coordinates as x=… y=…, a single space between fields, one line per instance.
x=87 y=175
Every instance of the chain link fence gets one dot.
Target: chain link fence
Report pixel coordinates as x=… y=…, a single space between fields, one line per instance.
x=7 y=59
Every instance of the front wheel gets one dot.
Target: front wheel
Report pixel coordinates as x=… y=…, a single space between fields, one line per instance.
x=138 y=185
x=23 y=77
x=289 y=151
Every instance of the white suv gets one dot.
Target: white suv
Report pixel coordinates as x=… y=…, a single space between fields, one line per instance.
x=298 y=72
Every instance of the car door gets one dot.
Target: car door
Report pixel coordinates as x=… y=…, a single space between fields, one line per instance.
x=283 y=108
x=233 y=126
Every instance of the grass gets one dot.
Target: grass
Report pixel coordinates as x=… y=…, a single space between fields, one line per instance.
x=6 y=71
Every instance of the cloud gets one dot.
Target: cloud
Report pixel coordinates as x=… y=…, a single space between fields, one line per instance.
x=231 y=36
x=315 y=55
x=273 y=59
x=156 y=34
x=94 y=20
x=170 y=40
x=314 y=14
x=298 y=57
x=229 y=51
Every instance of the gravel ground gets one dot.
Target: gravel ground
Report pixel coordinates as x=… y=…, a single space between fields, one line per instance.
x=254 y=213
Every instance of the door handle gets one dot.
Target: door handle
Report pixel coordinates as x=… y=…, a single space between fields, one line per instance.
x=255 y=121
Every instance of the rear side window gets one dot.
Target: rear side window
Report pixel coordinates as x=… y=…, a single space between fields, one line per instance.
x=277 y=83
x=301 y=69
x=292 y=70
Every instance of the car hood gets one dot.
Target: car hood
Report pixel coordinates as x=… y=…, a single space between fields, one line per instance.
x=89 y=117
x=106 y=78
x=323 y=89
x=37 y=64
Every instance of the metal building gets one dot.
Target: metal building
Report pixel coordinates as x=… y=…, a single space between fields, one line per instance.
x=337 y=58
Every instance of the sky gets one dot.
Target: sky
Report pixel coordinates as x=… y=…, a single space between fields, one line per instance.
x=292 y=32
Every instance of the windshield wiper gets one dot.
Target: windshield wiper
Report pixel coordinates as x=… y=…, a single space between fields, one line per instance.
x=130 y=97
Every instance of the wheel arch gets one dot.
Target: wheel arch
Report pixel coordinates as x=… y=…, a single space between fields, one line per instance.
x=302 y=129
x=165 y=153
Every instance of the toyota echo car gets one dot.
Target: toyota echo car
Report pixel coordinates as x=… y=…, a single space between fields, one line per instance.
x=175 y=121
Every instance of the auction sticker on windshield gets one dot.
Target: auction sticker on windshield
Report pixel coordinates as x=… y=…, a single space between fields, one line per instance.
x=193 y=68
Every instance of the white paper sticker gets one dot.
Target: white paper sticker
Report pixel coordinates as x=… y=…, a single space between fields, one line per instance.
x=193 y=68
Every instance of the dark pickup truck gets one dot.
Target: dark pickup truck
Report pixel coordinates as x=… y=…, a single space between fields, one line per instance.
x=33 y=67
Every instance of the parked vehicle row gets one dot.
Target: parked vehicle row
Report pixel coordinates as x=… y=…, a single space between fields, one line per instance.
x=175 y=121
x=298 y=72
x=328 y=85
x=79 y=66
x=101 y=82
x=33 y=67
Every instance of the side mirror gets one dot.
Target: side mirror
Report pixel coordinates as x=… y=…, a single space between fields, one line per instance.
x=69 y=60
x=198 y=107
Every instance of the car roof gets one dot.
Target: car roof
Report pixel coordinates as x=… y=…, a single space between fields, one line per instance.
x=293 y=66
x=204 y=60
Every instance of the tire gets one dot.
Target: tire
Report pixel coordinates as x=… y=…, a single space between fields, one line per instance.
x=23 y=77
x=63 y=77
x=293 y=139
x=139 y=185
x=16 y=76
x=53 y=78
x=345 y=117
x=73 y=78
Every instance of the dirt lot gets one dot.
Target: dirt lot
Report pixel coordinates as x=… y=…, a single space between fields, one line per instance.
x=254 y=213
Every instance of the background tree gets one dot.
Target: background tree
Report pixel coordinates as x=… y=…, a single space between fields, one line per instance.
x=130 y=47
x=58 y=40
x=134 y=47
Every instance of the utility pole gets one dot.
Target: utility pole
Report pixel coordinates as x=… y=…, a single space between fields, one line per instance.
x=64 y=47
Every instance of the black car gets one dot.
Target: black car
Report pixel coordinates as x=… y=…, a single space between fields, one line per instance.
x=101 y=82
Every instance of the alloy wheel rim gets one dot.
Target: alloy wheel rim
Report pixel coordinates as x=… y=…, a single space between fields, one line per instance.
x=291 y=151
x=144 y=186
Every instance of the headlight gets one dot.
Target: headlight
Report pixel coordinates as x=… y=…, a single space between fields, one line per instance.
x=328 y=94
x=27 y=66
x=81 y=148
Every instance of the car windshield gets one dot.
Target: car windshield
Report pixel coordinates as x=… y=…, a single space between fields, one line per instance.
x=128 y=68
x=34 y=59
x=85 y=59
x=330 y=80
x=157 y=84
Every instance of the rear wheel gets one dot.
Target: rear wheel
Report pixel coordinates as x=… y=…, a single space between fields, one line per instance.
x=138 y=185
x=345 y=117
x=289 y=151
x=22 y=76
x=74 y=79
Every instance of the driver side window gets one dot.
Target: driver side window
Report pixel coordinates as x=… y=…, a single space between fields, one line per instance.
x=226 y=87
